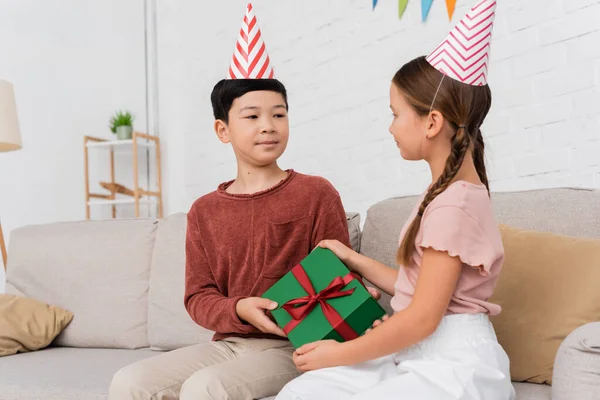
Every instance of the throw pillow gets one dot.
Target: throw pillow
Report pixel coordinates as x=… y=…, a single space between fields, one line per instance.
x=28 y=325
x=548 y=287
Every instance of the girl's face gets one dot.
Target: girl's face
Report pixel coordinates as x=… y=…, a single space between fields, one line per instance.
x=407 y=128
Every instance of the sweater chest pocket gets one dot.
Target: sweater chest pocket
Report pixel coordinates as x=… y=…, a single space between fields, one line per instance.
x=287 y=243
x=282 y=234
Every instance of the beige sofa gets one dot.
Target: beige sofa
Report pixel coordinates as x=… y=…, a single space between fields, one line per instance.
x=123 y=280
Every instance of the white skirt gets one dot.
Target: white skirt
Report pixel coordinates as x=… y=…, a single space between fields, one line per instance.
x=460 y=360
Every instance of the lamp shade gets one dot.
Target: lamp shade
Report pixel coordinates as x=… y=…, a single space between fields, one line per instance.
x=10 y=135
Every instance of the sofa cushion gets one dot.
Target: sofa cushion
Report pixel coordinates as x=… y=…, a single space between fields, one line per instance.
x=169 y=325
x=353 y=220
x=564 y=211
x=382 y=231
x=67 y=373
x=98 y=270
x=29 y=325
x=532 y=391
x=577 y=364
x=548 y=287
x=60 y=373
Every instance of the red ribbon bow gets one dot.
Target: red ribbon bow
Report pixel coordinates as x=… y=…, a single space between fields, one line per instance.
x=301 y=307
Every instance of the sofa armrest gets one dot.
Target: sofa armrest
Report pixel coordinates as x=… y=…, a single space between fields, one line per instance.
x=576 y=373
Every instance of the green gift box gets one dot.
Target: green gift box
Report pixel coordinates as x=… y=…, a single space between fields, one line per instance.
x=321 y=299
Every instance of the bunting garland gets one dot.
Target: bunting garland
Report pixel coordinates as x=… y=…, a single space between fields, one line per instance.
x=401 y=7
x=425 y=7
x=450 y=5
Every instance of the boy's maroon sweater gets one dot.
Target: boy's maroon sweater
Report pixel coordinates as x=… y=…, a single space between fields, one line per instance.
x=238 y=246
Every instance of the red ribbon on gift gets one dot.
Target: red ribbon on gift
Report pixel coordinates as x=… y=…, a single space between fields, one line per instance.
x=299 y=308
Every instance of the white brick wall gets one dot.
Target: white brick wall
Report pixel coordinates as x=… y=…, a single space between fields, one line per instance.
x=337 y=58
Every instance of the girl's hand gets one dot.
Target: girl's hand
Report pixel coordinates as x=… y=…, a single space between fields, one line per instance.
x=339 y=249
x=377 y=323
x=344 y=254
x=317 y=355
x=376 y=294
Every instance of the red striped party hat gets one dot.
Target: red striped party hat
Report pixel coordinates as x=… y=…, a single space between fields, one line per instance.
x=465 y=53
x=250 y=59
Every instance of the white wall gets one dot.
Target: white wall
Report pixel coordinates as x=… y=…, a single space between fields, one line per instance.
x=72 y=63
x=337 y=58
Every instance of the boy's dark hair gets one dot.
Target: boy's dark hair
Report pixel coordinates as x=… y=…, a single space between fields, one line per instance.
x=227 y=90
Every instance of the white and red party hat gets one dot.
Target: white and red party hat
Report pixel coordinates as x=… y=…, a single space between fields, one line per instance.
x=465 y=53
x=250 y=58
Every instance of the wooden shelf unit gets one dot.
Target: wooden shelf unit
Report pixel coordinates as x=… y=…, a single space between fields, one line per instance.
x=134 y=144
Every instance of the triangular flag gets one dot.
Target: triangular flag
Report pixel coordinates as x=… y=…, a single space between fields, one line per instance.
x=425 y=7
x=375 y=3
x=464 y=55
x=250 y=59
x=450 y=5
x=401 y=7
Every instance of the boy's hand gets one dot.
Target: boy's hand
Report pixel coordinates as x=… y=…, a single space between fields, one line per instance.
x=252 y=310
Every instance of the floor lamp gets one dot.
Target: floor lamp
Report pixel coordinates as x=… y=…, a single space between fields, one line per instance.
x=10 y=135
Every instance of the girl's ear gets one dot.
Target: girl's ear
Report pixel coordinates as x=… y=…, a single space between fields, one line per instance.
x=222 y=131
x=435 y=123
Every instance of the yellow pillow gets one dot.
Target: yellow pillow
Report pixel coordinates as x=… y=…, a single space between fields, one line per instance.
x=27 y=324
x=548 y=287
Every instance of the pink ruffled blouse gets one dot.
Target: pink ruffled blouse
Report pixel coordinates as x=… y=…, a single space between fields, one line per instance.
x=460 y=222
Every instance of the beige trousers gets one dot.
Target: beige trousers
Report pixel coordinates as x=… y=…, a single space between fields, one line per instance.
x=234 y=368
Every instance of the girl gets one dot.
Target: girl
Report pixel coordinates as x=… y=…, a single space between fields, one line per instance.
x=439 y=344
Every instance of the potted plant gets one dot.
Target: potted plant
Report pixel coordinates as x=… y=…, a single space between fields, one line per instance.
x=121 y=124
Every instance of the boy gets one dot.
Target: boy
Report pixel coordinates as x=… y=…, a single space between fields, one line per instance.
x=241 y=239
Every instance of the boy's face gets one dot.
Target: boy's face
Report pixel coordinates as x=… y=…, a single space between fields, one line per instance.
x=258 y=127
